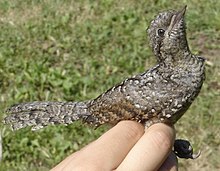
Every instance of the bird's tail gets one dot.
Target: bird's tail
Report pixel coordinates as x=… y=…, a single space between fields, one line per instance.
x=40 y=114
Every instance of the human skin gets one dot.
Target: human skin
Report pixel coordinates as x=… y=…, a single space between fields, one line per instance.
x=126 y=147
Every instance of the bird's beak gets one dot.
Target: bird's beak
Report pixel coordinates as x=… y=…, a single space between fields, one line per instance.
x=179 y=15
x=177 y=18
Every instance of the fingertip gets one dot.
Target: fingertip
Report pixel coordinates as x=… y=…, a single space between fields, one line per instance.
x=151 y=150
x=163 y=136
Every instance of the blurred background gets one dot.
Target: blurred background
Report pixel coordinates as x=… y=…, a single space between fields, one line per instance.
x=74 y=50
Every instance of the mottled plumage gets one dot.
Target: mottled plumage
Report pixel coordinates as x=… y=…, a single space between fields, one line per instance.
x=160 y=94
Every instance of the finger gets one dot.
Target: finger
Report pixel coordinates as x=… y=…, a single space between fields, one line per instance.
x=170 y=164
x=151 y=150
x=107 y=152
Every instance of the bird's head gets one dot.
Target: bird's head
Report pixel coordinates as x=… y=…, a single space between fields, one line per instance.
x=167 y=34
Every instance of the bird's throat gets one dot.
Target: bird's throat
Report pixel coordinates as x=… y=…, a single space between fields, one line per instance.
x=179 y=58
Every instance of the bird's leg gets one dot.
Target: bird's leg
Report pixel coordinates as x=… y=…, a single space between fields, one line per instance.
x=183 y=149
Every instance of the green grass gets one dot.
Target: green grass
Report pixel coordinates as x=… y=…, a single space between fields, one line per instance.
x=75 y=50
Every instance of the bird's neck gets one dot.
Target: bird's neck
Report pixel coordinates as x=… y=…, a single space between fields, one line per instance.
x=181 y=58
x=185 y=62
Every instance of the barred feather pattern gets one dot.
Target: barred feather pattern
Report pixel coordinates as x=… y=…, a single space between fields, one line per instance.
x=40 y=114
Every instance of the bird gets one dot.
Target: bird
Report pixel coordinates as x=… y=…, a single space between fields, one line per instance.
x=161 y=94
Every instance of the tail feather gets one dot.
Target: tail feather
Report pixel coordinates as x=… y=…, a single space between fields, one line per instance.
x=40 y=114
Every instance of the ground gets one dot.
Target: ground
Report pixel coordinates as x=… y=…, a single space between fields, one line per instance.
x=75 y=50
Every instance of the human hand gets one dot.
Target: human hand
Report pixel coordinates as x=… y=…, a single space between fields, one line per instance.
x=125 y=147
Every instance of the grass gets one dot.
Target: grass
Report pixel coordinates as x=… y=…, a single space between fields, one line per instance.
x=75 y=50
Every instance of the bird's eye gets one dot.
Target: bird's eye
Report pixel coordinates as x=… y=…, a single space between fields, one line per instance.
x=160 y=32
